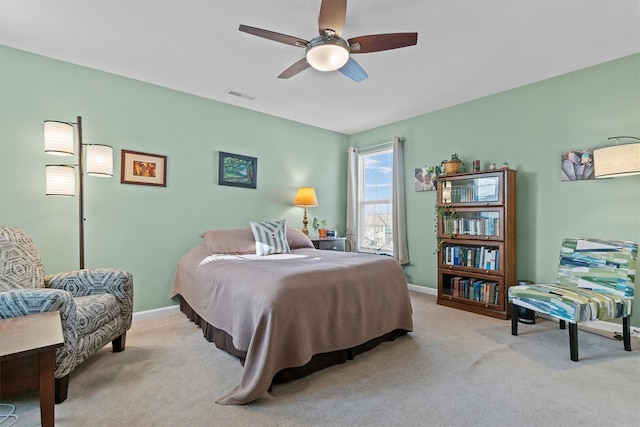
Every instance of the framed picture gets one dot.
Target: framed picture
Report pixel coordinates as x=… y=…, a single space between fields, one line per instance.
x=577 y=165
x=425 y=179
x=143 y=168
x=237 y=170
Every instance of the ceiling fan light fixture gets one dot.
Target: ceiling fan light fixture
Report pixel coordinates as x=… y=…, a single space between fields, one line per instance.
x=327 y=53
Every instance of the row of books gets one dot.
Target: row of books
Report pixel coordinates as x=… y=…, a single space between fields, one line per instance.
x=487 y=258
x=463 y=194
x=475 y=289
x=472 y=226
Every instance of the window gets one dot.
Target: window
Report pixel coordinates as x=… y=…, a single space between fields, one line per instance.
x=375 y=195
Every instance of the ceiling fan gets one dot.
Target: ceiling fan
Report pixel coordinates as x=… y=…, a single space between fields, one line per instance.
x=329 y=51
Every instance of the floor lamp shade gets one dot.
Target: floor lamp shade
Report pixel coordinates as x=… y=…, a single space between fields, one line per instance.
x=60 y=180
x=58 y=138
x=99 y=160
x=617 y=160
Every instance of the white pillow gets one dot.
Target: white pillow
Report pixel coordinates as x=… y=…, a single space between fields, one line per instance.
x=271 y=237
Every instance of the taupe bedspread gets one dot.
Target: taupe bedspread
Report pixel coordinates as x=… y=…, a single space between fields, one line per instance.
x=283 y=309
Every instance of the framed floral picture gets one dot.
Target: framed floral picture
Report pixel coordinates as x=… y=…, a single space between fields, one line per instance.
x=237 y=171
x=143 y=168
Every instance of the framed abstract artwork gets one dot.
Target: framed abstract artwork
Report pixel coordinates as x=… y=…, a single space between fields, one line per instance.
x=237 y=171
x=143 y=168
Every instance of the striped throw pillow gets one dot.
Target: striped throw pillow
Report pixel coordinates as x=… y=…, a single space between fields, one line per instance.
x=271 y=237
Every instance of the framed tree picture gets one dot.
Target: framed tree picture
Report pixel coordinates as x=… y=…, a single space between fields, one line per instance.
x=237 y=171
x=143 y=168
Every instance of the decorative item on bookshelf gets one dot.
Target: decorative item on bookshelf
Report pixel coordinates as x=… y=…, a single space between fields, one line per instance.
x=454 y=165
x=448 y=212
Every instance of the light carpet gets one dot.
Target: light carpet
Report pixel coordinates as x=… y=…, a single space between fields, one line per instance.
x=455 y=369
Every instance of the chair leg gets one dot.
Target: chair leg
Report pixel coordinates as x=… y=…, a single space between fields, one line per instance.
x=573 y=340
x=514 y=319
x=62 y=387
x=119 y=343
x=563 y=324
x=626 y=332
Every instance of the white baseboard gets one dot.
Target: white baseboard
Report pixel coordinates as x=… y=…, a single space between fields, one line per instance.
x=610 y=328
x=156 y=312
x=422 y=289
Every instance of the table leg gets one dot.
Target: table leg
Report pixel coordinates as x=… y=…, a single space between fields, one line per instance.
x=47 y=387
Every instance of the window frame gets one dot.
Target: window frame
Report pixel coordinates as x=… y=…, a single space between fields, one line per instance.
x=385 y=246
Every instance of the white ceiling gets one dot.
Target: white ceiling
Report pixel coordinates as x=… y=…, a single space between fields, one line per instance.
x=466 y=49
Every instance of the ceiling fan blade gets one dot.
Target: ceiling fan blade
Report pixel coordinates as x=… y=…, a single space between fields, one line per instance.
x=271 y=35
x=294 y=69
x=379 y=42
x=332 y=16
x=354 y=71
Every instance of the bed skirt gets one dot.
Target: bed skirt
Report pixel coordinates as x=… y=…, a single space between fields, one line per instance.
x=224 y=341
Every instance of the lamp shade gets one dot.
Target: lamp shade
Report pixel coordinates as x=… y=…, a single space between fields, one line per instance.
x=60 y=180
x=58 y=138
x=306 y=196
x=99 y=160
x=617 y=160
x=327 y=54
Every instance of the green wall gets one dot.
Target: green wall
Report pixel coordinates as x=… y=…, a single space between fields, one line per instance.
x=147 y=229
x=139 y=228
x=529 y=127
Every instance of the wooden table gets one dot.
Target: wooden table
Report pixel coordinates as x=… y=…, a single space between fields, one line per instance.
x=28 y=336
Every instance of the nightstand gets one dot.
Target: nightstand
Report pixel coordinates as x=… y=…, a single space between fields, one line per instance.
x=329 y=243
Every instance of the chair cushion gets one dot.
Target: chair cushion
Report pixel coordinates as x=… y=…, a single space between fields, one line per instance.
x=95 y=311
x=571 y=304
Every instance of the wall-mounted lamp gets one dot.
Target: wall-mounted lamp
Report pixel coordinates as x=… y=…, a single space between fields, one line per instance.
x=617 y=160
x=306 y=196
x=60 y=179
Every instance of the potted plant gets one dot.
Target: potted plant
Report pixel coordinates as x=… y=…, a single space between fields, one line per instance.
x=449 y=215
x=454 y=165
x=320 y=225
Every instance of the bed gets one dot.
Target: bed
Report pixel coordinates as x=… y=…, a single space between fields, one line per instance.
x=288 y=314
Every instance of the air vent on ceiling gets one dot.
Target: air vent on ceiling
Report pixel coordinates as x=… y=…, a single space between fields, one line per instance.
x=240 y=95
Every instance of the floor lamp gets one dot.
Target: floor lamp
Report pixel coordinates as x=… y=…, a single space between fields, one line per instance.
x=60 y=179
x=306 y=196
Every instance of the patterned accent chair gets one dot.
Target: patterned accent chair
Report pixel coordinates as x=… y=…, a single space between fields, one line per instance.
x=95 y=305
x=595 y=282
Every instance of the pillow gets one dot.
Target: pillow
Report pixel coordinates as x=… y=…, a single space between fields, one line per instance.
x=271 y=237
x=297 y=239
x=235 y=241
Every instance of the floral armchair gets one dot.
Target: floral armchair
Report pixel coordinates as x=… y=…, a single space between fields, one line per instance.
x=95 y=305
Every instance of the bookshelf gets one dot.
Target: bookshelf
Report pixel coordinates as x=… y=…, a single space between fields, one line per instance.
x=477 y=240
